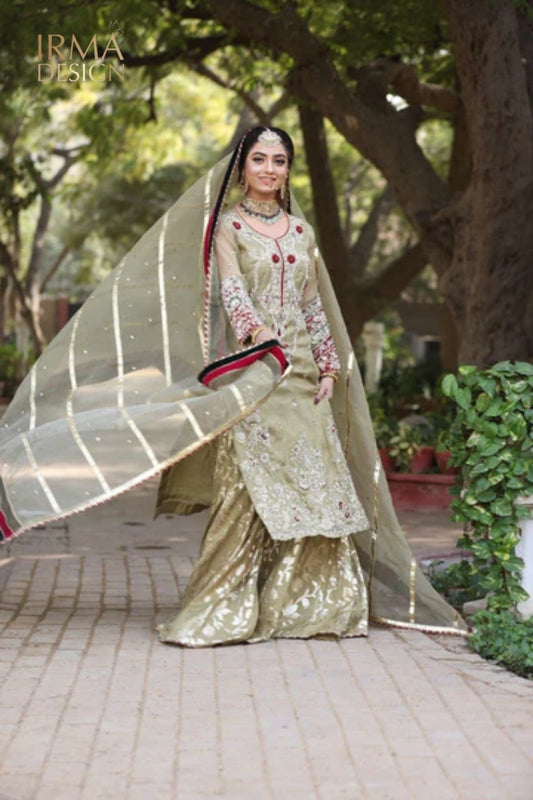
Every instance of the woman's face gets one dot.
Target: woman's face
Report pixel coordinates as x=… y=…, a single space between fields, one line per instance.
x=265 y=170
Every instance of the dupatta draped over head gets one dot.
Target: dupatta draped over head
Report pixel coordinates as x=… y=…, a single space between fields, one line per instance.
x=115 y=400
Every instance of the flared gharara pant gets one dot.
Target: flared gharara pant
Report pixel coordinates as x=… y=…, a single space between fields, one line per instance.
x=248 y=587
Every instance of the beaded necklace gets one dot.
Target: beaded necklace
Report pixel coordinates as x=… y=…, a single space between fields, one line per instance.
x=268 y=211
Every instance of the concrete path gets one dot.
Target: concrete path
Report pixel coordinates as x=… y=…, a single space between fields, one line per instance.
x=92 y=706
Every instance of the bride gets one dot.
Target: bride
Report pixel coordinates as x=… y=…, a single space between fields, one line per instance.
x=302 y=539
x=279 y=555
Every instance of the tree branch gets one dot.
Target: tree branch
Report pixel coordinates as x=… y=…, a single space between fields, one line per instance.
x=38 y=243
x=11 y=268
x=396 y=276
x=387 y=140
x=403 y=78
x=53 y=269
x=192 y=48
x=327 y=215
x=361 y=249
x=263 y=117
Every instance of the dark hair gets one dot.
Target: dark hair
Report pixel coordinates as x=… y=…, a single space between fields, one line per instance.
x=236 y=162
x=251 y=137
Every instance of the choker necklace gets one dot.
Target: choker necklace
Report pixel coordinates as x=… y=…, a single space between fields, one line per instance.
x=268 y=211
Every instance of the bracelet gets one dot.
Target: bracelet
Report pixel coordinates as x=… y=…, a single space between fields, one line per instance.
x=256 y=332
x=333 y=375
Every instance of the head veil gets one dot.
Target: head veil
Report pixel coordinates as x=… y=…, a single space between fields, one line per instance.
x=115 y=400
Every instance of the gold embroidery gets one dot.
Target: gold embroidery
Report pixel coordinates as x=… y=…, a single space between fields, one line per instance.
x=375 y=522
x=305 y=490
x=207 y=201
x=192 y=419
x=70 y=415
x=163 y=299
x=412 y=590
x=120 y=369
x=33 y=387
x=203 y=327
x=44 y=486
x=296 y=588
x=349 y=369
x=396 y=623
x=240 y=400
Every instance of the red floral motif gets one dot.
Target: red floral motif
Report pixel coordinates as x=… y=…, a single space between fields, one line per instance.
x=322 y=344
x=299 y=229
x=275 y=258
x=237 y=225
x=239 y=307
x=291 y=259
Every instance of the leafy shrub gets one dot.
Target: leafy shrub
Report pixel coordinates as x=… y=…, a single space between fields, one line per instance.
x=502 y=637
x=491 y=441
x=459 y=583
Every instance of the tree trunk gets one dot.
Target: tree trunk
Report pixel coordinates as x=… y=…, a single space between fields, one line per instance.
x=486 y=234
x=360 y=298
x=327 y=216
x=489 y=285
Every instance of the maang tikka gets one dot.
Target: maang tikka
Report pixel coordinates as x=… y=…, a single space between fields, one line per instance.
x=269 y=137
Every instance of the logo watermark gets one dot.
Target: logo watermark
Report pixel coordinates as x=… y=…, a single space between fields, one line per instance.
x=68 y=62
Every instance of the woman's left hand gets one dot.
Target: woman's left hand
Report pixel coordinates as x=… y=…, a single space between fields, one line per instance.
x=325 y=389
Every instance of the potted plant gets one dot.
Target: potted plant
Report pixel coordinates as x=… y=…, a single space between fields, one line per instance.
x=385 y=427
x=443 y=454
x=491 y=441
x=409 y=450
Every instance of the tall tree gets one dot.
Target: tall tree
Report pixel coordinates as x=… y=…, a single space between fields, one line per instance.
x=477 y=239
x=468 y=62
x=489 y=284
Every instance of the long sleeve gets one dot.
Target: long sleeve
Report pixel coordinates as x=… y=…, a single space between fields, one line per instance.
x=234 y=291
x=322 y=344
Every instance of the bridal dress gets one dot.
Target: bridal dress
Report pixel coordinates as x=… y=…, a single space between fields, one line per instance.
x=279 y=555
x=302 y=538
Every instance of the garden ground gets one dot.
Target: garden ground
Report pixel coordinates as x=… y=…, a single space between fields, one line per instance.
x=94 y=707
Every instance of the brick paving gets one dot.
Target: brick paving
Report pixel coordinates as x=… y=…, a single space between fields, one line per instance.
x=93 y=706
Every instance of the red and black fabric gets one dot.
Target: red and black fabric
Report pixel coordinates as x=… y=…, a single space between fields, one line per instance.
x=224 y=370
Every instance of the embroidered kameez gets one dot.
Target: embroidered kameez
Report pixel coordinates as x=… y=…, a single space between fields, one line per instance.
x=279 y=554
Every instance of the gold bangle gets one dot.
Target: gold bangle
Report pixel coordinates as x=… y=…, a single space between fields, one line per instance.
x=256 y=332
x=333 y=375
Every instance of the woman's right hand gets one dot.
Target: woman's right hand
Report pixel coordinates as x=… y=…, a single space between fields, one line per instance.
x=264 y=335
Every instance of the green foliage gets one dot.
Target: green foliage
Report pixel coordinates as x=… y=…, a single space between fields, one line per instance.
x=11 y=368
x=404 y=446
x=405 y=386
x=361 y=31
x=385 y=426
x=491 y=441
x=502 y=637
x=459 y=583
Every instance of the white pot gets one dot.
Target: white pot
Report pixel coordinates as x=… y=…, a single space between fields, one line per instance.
x=524 y=549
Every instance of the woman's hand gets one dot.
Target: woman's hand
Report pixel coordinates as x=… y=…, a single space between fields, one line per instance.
x=264 y=335
x=325 y=389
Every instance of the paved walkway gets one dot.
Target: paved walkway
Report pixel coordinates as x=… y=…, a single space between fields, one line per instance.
x=92 y=706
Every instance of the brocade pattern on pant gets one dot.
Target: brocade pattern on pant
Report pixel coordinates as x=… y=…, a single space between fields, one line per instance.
x=247 y=586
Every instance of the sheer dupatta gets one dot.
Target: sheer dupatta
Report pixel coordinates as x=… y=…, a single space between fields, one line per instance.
x=115 y=399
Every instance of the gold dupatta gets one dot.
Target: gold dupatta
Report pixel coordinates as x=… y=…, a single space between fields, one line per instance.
x=115 y=399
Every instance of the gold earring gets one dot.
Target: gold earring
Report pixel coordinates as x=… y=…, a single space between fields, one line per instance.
x=243 y=183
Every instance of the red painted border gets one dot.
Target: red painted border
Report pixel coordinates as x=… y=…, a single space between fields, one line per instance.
x=4 y=527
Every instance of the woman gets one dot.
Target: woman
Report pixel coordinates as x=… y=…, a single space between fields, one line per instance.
x=292 y=548
x=278 y=558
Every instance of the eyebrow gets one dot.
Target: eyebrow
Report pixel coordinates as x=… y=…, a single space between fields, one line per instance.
x=276 y=155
